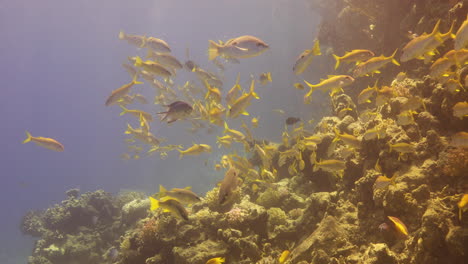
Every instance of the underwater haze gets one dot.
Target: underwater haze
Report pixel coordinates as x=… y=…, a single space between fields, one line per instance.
x=62 y=59
x=235 y=132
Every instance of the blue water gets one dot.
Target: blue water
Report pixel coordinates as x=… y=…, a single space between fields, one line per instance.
x=61 y=59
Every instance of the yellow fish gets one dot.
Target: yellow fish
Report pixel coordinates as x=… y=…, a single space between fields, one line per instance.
x=334 y=82
x=137 y=113
x=265 y=78
x=240 y=47
x=373 y=65
x=462 y=205
x=353 y=56
x=48 y=143
x=169 y=205
x=215 y=261
x=196 y=149
x=185 y=196
x=461 y=38
x=305 y=59
x=399 y=225
x=153 y=67
x=284 y=256
x=241 y=103
x=119 y=93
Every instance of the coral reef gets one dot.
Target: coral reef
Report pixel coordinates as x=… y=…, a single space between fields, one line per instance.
x=326 y=199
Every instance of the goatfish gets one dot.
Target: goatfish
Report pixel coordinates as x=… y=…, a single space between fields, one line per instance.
x=305 y=59
x=373 y=65
x=423 y=45
x=196 y=149
x=169 y=205
x=135 y=40
x=143 y=135
x=348 y=139
x=233 y=93
x=240 y=47
x=333 y=166
x=461 y=37
x=334 y=82
x=241 y=103
x=356 y=56
x=157 y=45
x=48 y=143
x=367 y=93
x=152 y=67
x=383 y=181
x=185 y=196
x=137 y=113
x=235 y=134
x=119 y=93
x=265 y=78
x=228 y=185
x=165 y=59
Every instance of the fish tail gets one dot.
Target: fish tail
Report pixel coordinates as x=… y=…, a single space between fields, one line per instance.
x=269 y=77
x=226 y=128
x=252 y=90
x=162 y=191
x=213 y=50
x=394 y=61
x=436 y=28
x=138 y=61
x=121 y=34
x=316 y=49
x=124 y=110
x=337 y=135
x=154 y=204
x=29 y=137
x=449 y=33
x=129 y=129
x=134 y=80
x=337 y=61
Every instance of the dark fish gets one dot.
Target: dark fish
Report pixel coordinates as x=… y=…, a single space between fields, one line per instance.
x=190 y=65
x=292 y=120
x=177 y=110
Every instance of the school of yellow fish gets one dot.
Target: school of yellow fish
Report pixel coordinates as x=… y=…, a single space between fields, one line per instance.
x=207 y=103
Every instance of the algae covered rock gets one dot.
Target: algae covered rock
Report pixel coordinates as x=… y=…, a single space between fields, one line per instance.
x=379 y=254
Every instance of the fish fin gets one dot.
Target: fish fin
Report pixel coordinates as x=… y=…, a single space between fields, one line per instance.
x=162 y=191
x=181 y=155
x=245 y=113
x=28 y=137
x=213 y=50
x=138 y=61
x=269 y=76
x=337 y=61
x=121 y=35
x=436 y=28
x=394 y=61
x=154 y=203
x=124 y=110
x=316 y=49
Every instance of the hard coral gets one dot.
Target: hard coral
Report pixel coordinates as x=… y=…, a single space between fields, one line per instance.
x=454 y=162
